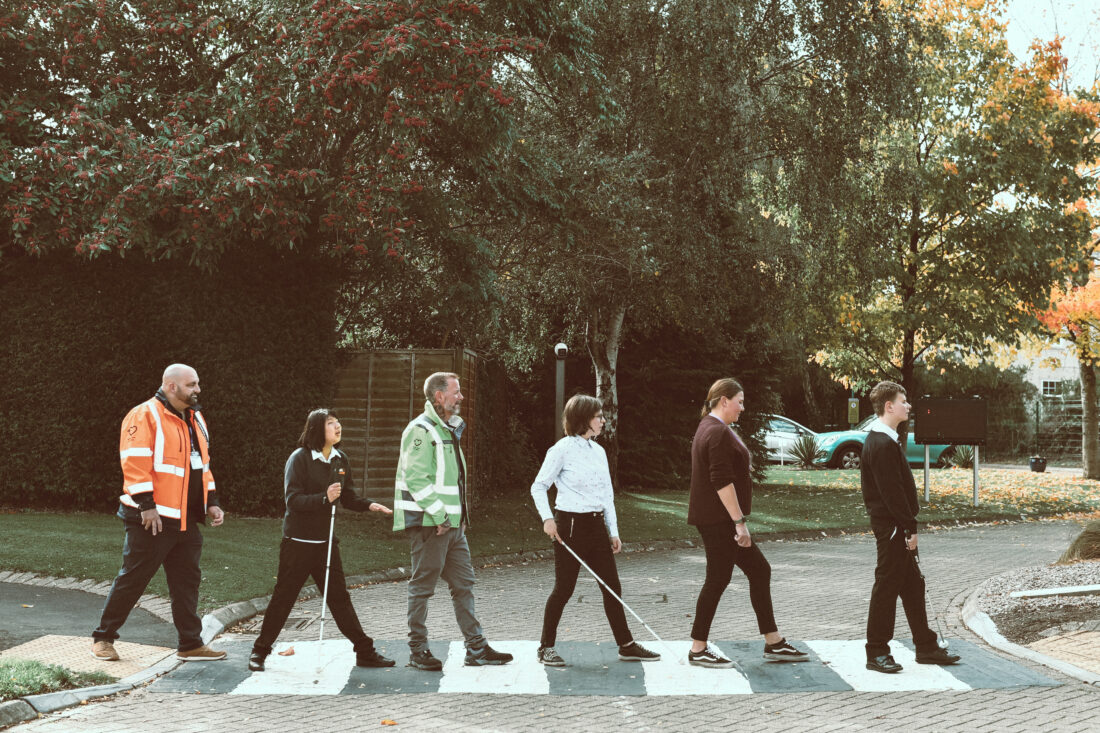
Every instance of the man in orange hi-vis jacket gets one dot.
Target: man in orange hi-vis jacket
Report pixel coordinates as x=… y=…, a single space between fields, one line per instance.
x=168 y=491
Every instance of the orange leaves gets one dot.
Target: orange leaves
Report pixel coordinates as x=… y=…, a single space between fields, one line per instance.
x=950 y=167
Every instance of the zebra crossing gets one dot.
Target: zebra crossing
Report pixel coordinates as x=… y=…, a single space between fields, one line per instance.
x=328 y=668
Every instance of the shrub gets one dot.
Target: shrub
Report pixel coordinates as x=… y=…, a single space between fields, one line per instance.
x=86 y=341
x=21 y=677
x=964 y=457
x=806 y=451
x=1086 y=546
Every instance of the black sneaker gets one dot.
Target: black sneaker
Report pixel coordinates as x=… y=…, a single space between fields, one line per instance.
x=486 y=655
x=782 y=651
x=937 y=656
x=373 y=659
x=709 y=657
x=256 y=661
x=635 y=652
x=549 y=657
x=423 y=659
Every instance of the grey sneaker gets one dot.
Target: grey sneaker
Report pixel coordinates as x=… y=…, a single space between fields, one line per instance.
x=709 y=657
x=635 y=652
x=423 y=659
x=549 y=657
x=486 y=655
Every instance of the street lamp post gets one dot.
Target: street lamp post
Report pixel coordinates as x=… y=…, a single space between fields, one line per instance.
x=560 y=351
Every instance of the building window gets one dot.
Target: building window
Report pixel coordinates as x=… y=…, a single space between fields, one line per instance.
x=1050 y=388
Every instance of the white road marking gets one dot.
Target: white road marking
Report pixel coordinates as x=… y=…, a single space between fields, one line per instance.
x=674 y=676
x=849 y=659
x=522 y=676
x=295 y=675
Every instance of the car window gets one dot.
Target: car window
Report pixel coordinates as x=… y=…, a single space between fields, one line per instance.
x=865 y=425
x=781 y=426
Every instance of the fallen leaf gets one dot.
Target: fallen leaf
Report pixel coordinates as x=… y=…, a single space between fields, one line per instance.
x=27 y=606
x=287 y=653
x=387 y=721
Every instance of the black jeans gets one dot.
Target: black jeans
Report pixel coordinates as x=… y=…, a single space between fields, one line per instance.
x=723 y=553
x=587 y=535
x=297 y=562
x=142 y=555
x=896 y=575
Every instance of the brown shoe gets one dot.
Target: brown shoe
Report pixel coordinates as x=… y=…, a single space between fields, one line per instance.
x=201 y=654
x=104 y=651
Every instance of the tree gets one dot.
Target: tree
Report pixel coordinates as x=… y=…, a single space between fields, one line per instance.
x=972 y=207
x=176 y=128
x=652 y=160
x=1074 y=315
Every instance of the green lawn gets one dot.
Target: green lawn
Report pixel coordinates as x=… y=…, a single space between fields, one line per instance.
x=19 y=678
x=240 y=557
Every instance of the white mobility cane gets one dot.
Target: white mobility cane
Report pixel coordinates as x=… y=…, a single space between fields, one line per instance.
x=328 y=566
x=620 y=600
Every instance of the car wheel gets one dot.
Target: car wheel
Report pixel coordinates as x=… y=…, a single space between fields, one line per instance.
x=848 y=456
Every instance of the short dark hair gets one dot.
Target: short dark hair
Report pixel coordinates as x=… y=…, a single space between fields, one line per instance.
x=313 y=434
x=578 y=413
x=884 y=392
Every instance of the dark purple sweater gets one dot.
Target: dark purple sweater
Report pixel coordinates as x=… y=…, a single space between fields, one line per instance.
x=718 y=458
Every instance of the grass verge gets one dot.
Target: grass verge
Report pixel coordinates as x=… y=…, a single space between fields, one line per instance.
x=20 y=677
x=240 y=558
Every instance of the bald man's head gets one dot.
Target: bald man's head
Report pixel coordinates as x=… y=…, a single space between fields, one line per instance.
x=181 y=386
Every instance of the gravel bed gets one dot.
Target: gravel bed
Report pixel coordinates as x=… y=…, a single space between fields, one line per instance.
x=993 y=594
x=1026 y=620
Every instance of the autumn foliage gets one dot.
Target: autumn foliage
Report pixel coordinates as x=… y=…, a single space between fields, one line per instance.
x=175 y=128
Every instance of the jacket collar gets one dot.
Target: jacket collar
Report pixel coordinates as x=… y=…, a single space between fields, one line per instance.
x=456 y=424
x=163 y=399
x=878 y=426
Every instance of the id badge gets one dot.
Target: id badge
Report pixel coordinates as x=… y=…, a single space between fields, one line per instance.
x=196 y=459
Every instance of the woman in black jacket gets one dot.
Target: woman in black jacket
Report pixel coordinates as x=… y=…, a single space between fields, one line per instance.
x=316 y=477
x=719 y=505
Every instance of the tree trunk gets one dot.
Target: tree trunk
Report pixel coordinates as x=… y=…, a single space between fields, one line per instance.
x=1090 y=413
x=603 y=338
x=908 y=366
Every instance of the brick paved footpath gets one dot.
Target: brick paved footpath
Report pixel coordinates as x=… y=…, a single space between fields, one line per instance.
x=820 y=590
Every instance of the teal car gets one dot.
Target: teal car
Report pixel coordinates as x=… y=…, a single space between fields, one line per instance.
x=843 y=448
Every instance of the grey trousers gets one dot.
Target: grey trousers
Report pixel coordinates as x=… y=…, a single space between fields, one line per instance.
x=447 y=556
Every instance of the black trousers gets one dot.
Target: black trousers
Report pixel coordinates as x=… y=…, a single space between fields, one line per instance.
x=587 y=535
x=298 y=561
x=723 y=553
x=142 y=555
x=896 y=575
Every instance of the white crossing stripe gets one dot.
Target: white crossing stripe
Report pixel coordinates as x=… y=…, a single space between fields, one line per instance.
x=295 y=675
x=524 y=675
x=849 y=660
x=677 y=677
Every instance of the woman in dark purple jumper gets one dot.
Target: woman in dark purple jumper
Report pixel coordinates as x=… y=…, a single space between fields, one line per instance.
x=719 y=505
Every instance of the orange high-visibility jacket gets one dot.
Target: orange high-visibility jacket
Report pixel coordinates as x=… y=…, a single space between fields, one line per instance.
x=155 y=451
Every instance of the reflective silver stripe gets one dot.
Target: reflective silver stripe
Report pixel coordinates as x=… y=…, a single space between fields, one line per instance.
x=164 y=511
x=435 y=506
x=158 y=445
x=412 y=506
x=135 y=453
x=448 y=490
x=210 y=487
x=423 y=493
x=140 y=488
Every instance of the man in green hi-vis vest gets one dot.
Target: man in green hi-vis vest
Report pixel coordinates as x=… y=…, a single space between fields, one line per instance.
x=430 y=507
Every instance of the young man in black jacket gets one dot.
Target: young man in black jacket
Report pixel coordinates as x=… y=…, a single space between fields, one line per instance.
x=890 y=495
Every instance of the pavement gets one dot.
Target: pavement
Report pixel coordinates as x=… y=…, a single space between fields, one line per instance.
x=820 y=588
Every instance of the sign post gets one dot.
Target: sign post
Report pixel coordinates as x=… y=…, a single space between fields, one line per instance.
x=954 y=422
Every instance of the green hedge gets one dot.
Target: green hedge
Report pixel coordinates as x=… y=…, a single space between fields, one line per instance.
x=83 y=342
